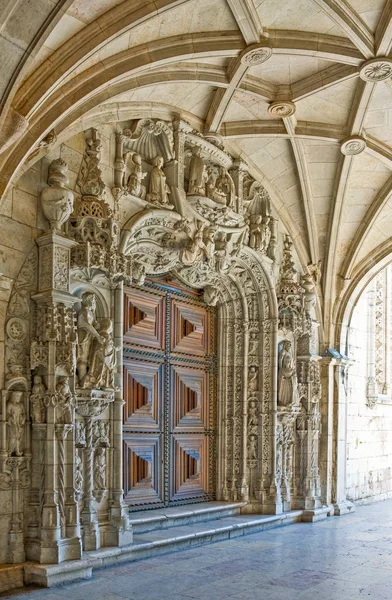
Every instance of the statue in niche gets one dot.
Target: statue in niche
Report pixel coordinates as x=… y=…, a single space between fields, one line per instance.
x=16 y=419
x=197 y=173
x=103 y=361
x=100 y=469
x=252 y=414
x=87 y=333
x=215 y=193
x=287 y=377
x=195 y=248
x=66 y=402
x=36 y=399
x=224 y=187
x=253 y=376
x=134 y=183
x=78 y=477
x=252 y=447
x=159 y=190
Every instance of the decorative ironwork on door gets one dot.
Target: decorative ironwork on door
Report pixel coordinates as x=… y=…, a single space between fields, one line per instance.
x=169 y=393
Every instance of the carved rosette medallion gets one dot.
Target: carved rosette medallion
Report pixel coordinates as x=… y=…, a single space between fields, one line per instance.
x=376 y=70
x=353 y=145
x=281 y=109
x=256 y=56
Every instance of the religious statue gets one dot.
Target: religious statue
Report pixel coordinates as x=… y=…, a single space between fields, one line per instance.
x=224 y=186
x=87 y=333
x=265 y=234
x=221 y=252
x=36 y=399
x=66 y=402
x=16 y=419
x=78 y=477
x=100 y=469
x=255 y=231
x=134 y=183
x=197 y=173
x=159 y=190
x=209 y=241
x=287 y=377
x=252 y=414
x=196 y=248
x=103 y=359
x=252 y=447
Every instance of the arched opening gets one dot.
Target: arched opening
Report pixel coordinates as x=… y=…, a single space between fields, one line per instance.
x=369 y=399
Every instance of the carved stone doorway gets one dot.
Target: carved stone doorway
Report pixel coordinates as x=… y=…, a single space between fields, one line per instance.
x=169 y=391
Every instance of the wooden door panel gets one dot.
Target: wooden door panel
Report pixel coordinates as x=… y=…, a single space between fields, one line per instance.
x=190 y=466
x=189 y=399
x=144 y=319
x=189 y=328
x=142 y=473
x=143 y=394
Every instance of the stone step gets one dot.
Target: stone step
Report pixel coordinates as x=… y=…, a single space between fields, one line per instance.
x=144 y=521
x=153 y=543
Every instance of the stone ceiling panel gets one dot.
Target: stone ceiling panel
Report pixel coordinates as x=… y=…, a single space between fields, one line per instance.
x=244 y=107
x=378 y=122
x=299 y=15
x=331 y=105
x=369 y=11
x=284 y=69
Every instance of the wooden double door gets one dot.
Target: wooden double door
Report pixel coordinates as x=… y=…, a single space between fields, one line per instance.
x=169 y=393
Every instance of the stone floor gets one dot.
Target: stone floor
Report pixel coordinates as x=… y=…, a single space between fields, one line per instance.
x=346 y=558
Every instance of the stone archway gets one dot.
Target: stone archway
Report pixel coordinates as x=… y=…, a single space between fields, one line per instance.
x=247 y=334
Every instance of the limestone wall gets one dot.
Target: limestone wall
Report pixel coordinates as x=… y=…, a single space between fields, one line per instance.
x=369 y=430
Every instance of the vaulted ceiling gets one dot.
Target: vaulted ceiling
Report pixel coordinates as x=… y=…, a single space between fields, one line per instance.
x=300 y=89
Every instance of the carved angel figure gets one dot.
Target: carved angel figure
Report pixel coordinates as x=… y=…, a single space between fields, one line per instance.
x=36 y=399
x=197 y=173
x=16 y=419
x=87 y=333
x=287 y=377
x=159 y=190
x=134 y=183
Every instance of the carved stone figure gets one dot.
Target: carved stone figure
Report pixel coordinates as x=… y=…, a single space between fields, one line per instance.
x=66 y=403
x=100 y=469
x=252 y=414
x=78 y=477
x=255 y=228
x=103 y=359
x=209 y=241
x=287 y=377
x=197 y=173
x=221 y=252
x=159 y=190
x=36 y=399
x=196 y=248
x=134 y=183
x=16 y=419
x=57 y=200
x=265 y=234
x=87 y=333
x=224 y=187
x=211 y=295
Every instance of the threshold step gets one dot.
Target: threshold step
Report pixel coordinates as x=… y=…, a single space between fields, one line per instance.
x=153 y=543
x=163 y=518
